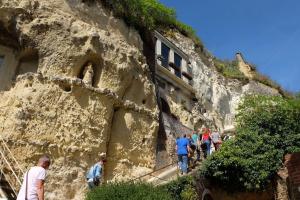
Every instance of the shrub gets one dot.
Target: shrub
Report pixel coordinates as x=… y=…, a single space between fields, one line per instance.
x=229 y=69
x=150 y=15
x=182 y=189
x=267 y=129
x=125 y=191
x=272 y=116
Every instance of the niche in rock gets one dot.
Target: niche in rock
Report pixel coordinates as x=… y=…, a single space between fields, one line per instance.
x=90 y=71
x=8 y=65
x=28 y=62
x=66 y=87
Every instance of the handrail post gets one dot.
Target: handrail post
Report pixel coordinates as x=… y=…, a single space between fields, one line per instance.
x=9 y=162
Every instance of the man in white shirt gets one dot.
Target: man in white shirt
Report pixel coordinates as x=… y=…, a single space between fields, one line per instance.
x=216 y=139
x=33 y=183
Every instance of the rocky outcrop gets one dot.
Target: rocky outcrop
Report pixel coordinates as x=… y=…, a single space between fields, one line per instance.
x=218 y=96
x=75 y=84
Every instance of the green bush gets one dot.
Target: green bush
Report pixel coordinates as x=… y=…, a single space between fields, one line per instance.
x=268 y=128
x=150 y=15
x=272 y=116
x=126 y=191
x=184 y=188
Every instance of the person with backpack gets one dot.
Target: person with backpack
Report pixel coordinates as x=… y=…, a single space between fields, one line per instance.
x=95 y=173
x=196 y=141
x=206 y=141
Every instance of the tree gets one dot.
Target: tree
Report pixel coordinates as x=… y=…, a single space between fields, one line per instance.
x=268 y=128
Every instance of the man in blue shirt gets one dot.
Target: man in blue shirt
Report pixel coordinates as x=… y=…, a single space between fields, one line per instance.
x=95 y=173
x=182 y=148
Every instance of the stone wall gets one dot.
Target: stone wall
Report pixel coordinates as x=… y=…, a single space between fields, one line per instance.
x=206 y=190
x=292 y=162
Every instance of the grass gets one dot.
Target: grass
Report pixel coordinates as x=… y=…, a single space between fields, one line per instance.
x=150 y=15
x=230 y=69
x=271 y=83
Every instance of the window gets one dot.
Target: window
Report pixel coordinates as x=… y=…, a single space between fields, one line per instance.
x=177 y=62
x=165 y=51
x=1 y=60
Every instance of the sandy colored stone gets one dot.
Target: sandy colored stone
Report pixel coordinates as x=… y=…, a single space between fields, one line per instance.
x=75 y=84
x=216 y=94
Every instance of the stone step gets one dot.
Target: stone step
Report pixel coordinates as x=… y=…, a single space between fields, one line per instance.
x=171 y=174
x=165 y=176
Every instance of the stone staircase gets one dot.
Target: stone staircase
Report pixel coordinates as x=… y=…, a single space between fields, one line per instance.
x=165 y=174
x=10 y=173
x=170 y=174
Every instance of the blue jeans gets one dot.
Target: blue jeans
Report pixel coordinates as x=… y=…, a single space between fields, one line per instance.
x=207 y=143
x=198 y=150
x=183 y=163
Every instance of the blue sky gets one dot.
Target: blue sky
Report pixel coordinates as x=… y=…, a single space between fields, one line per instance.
x=267 y=32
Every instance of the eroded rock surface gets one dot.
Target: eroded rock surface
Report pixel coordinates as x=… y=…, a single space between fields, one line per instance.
x=217 y=95
x=74 y=83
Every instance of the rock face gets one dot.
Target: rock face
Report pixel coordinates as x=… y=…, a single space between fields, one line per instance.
x=217 y=95
x=75 y=84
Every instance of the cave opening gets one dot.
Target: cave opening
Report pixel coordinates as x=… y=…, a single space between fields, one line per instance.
x=28 y=62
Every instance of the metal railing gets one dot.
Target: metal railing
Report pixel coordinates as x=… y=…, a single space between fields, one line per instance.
x=10 y=169
x=151 y=174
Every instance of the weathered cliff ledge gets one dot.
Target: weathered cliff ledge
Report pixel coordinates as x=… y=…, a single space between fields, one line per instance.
x=74 y=83
x=219 y=96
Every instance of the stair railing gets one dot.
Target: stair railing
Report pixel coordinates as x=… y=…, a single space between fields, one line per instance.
x=9 y=167
x=151 y=174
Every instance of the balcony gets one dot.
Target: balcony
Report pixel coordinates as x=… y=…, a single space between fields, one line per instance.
x=170 y=75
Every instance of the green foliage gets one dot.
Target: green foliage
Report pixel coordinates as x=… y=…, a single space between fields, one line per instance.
x=229 y=69
x=182 y=189
x=268 y=128
x=150 y=15
x=272 y=117
x=125 y=191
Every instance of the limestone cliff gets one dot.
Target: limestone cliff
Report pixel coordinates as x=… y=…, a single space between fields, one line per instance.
x=74 y=84
x=217 y=95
